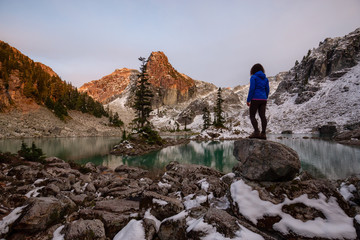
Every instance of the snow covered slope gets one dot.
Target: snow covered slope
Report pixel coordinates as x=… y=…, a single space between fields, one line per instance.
x=336 y=102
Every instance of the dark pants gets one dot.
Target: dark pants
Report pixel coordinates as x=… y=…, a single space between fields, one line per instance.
x=258 y=105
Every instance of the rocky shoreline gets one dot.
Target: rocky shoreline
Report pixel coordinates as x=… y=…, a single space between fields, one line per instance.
x=40 y=122
x=59 y=200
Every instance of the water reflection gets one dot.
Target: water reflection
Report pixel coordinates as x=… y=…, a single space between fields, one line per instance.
x=217 y=155
x=90 y=148
x=321 y=158
x=333 y=160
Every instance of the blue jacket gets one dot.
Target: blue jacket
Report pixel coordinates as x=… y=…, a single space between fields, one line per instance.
x=259 y=87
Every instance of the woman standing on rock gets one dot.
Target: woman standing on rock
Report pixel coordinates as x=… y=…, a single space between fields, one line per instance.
x=257 y=99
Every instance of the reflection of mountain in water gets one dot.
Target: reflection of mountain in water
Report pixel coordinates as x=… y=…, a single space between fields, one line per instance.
x=218 y=155
x=334 y=160
x=65 y=148
x=317 y=156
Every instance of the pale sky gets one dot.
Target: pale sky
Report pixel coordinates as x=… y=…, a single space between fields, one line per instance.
x=216 y=41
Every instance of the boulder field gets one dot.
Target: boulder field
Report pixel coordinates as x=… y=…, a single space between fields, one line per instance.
x=59 y=200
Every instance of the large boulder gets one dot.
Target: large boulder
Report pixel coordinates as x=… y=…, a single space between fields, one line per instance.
x=265 y=160
x=84 y=229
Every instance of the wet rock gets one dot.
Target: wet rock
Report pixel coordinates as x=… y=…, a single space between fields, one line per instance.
x=130 y=172
x=327 y=130
x=84 y=229
x=90 y=188
x=349 y=137
x=265 y=160
x=113 y=222
x=51 y=190
x=117 y=205
x=224 y=222
x=25 y=172
x=91 y=167
x=173 y=228
x=42 y=212
x=161 y=206
x=150 y=228
x=79 y=199
x=54 y=160
x=115 y=214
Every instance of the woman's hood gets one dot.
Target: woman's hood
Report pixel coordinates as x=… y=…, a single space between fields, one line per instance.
x=260 y=74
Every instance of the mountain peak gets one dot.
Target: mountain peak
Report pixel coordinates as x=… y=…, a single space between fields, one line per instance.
x=174 y=87
x=109 y=86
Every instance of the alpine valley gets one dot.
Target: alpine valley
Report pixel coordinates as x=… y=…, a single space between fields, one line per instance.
x=319 y=93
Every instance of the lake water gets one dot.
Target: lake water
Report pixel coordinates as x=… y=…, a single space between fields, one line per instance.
x=321 y=158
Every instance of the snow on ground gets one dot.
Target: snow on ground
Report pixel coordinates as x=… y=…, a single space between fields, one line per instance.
x=347 y=190
x=204 y=184
x=159 y=202
x=357 y=218
x=134 y=230
x=337 y=224
x=148 y=215
x=164 y=185
x=193 y=224
x=322 y=108
x=34 y=192
x=10 y=219
x=213 y=234
x=57 y=235
x=191 y=202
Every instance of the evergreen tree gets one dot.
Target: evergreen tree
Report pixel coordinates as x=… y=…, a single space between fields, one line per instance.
x=31 y=154
x=142 y=106
x=219 y=119
x=143 y=96
x=206 y=118
x=116 y=121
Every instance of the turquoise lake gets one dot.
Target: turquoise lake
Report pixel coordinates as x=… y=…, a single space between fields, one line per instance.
x=320 y=157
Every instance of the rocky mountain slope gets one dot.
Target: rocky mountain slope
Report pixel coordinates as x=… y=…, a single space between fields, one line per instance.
x=171 y=86
x=35 y=102
x=322 y=89
x=109 y=87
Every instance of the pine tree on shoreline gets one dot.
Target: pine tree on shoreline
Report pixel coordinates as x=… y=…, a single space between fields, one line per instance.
x=206 y=118
x=218 y=111
x=142 y=106
x=143 y=97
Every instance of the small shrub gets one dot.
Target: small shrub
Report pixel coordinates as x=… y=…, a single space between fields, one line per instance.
x=33 y=154
x=151 y=136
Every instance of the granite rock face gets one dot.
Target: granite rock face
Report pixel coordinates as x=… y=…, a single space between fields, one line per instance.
x=171 y=87
x=333 y=58
x=110 y=86
x=265 y=160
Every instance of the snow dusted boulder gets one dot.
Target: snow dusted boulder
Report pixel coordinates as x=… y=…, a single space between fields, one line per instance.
x=42 y=212
x=300 y=209
x=265 y=160
x=161 y=206
x=173 y=227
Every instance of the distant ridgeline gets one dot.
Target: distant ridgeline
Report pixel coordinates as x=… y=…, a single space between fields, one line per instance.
x=22 y=79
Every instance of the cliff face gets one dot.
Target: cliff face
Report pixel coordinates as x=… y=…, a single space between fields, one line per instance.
x=170 y=86
x=333 y=58
x=109 y=87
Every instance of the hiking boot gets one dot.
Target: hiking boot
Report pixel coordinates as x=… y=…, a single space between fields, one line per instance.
x=255 y=134
x=262 y=136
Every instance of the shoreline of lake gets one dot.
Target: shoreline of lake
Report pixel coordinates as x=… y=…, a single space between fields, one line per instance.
x=322 y=158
